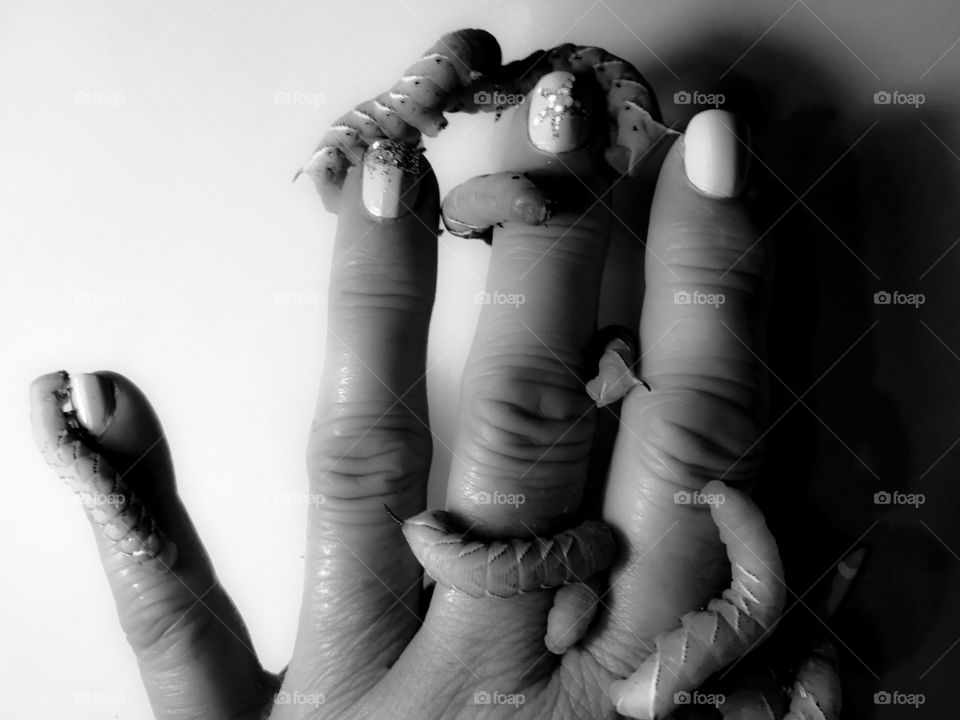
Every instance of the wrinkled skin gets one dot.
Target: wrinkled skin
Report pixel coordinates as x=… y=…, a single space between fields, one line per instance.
x=362 y=648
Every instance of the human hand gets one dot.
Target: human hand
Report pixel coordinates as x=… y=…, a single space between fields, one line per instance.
x=526 y=426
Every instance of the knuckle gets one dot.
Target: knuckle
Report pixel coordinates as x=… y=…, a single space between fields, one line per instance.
x=694 y=436
x=361 y=458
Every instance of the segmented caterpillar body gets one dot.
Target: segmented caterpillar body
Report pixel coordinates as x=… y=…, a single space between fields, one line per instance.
x=728 y=628
x=413 y=106
x=120 y=514
x=505 y=568
x=461 y=72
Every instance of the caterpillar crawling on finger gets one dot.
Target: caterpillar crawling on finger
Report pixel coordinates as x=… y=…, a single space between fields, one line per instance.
x=462 y=72
x=66 y=444
x=728 y=628
x=412 y=107
x=504 y=568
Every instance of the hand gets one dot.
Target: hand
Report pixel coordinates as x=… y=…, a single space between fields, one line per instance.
x=526 y=428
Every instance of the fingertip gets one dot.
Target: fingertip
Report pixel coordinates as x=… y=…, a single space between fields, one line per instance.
x=715 y=154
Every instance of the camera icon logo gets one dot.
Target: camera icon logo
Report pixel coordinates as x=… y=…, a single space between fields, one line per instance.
x=682 y=297
x=682 y=97
x=681 y=698
x=482 y=98
x=882 y=97
x=682 y=497
x=881 y=698
x=882 y=298
x=484 y=498
x=882 y=498
x=481 y=697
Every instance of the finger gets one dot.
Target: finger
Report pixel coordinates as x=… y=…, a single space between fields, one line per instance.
x=414 y=105
x=574 y=607
x=526 y=423
x=474 y=207
x=701 y=335
x=370 y=442
x=100 y=434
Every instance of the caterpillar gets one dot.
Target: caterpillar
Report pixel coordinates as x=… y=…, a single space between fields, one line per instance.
x=412 y=107
x=118 y=512
x=462 y=72
x=504 y=568
x=728 y=628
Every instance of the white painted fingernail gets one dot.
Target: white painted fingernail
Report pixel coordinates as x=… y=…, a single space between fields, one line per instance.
x=93 y=401
x=557 y=121
x=715 y=156
x=391 y=174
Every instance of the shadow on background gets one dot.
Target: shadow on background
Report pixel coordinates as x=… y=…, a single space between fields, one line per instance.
x=857 y=389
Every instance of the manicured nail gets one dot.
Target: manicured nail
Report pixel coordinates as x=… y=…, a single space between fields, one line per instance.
x=391 y=173
x=93 y=401
x=715 y=155
x=557 y=121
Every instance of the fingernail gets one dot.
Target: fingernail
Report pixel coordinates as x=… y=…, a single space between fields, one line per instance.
x=557 y=121
x=93 y=401
x=391 y=171
x=715 y=156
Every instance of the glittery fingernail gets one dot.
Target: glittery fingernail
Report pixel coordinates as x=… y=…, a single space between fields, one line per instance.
x=557 y=121
x=391 y=174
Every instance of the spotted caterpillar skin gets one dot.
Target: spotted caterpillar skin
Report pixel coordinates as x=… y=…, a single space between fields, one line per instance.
x=120 y=515
x=503 y=569
x=631 y=103
x=412 y=107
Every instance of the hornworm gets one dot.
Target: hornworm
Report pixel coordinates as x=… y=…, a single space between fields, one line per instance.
x=120 y=514
x=414 y=105
x=729 y=627
x=505 y=568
